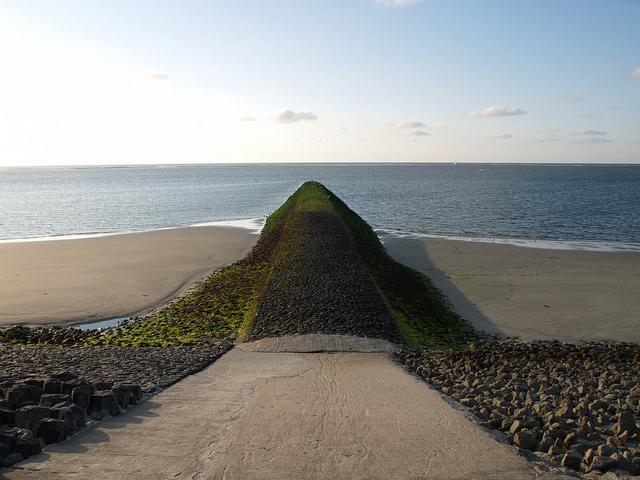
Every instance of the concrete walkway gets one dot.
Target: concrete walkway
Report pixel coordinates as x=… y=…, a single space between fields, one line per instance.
x=254 y=415
x=319 y=342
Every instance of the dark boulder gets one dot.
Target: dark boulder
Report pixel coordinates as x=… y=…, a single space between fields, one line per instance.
x=52 y=386
x=103 y=403
x=9 y=437
x=52 y=399
x=52 y=430
x=4 y=451
x=29 y=417
x=626 y=423
x=81 y=394
x=67 y=387
x=132 y=390
x=73 y=416
x=28 y=446
x=7 y=416
x=23 y=394
x=571 y=460
x=525 y=439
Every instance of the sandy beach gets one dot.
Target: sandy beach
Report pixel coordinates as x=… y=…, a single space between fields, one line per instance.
x=72 y=281
x=532 y=293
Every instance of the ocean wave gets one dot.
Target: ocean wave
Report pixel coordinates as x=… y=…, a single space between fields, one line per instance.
x=547 y=244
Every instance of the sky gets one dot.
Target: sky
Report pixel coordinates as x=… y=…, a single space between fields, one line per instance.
x=90 y=82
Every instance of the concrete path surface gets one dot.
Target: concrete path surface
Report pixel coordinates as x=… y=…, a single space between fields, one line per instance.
x=255 y=415
x=319 y=342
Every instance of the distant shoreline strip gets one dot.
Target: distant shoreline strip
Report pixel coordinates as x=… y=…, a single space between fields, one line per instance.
x=254 y=225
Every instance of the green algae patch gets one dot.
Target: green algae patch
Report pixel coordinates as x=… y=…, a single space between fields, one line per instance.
x=212 y=311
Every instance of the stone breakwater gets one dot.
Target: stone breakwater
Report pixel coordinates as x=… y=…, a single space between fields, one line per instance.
x=49 y=335
x=574 y=405
x=319 y=284
x=47 y=392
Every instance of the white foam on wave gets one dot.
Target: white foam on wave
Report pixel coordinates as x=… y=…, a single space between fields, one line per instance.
x=73 y=236
x=584 y=245
x=254 y=225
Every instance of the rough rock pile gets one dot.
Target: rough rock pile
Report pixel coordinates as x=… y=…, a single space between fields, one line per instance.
x=149 y=367
x=47 y=392
x=320 y=285
x=574 y=405
x=52 y=335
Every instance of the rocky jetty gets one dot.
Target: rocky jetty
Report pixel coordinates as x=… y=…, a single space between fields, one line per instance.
x=574 y=405
x=319 y=284
x=47 y=392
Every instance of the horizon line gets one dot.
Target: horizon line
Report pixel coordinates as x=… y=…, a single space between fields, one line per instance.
x=228 y=164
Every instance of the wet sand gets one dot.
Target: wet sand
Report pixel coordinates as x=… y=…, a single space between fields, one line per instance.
x=532 y=293
x=72 y=281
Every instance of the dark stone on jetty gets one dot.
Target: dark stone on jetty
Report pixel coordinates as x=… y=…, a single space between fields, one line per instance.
x=127 y=394
x=81 y=394
x=28 y=445
x=23 y=394
x=9 y=436
x=29 y=417
x=52 y=430
x=73 y=416
x=7 y=416
x=52 y=399
x=103 y=404
x=52 y=386
x=319 y=284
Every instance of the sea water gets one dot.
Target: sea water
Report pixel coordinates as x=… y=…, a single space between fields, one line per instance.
x=594 y=207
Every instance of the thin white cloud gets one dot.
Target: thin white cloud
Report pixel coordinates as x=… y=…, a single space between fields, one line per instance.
x=635 y=73
x=594 y=136
x=410 y=125
x=496 y=111
x=396 y=3
x=247 y=119
x=420 y=133
x=596 y=140
x=504 y=136
x=159 y=76
x=289 y=116
x=569 y=98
